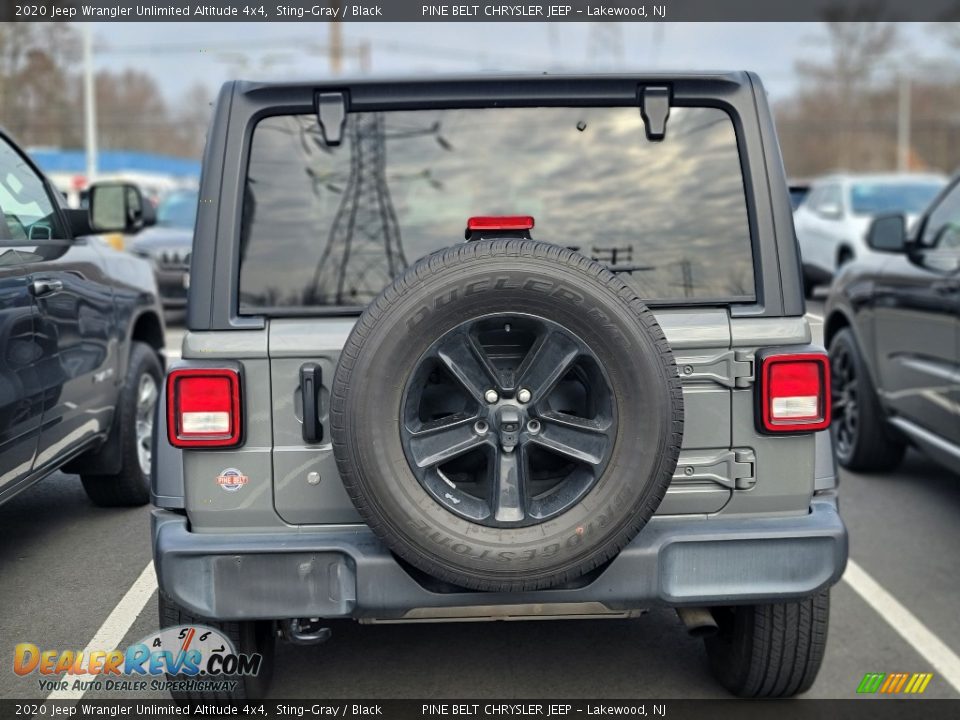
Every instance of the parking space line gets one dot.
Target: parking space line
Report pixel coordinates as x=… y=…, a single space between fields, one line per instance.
x=814 y=316
x=116 y=625
x=907 y=625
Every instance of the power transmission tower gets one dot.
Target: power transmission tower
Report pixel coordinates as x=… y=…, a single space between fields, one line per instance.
x=605 y=45
x=364 y=252
x=686 y=270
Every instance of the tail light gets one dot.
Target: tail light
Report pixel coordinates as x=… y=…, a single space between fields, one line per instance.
x=203 y=407
x=500 y=222
x=794 y=392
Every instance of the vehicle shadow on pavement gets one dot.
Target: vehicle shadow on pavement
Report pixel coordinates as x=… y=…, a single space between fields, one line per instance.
x=536 y=659
x=53 y=508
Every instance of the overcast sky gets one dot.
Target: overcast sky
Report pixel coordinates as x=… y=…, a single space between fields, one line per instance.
x=181 y=54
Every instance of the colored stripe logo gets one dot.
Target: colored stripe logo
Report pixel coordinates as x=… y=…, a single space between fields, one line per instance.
x=894 y=683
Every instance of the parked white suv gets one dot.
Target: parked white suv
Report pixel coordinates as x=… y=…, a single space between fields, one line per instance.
x=832 y=222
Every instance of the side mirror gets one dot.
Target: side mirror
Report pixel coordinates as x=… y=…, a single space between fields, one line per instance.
x=888 y=233
x=117 y=207
x=831 y=211
x=149 y=213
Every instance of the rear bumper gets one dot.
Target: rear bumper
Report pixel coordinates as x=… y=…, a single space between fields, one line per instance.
x=346 y=572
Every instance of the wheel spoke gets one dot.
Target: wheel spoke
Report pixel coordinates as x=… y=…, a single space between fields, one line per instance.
x=577 y=438
x=508 y=487
x=148 y=394
x=444 y=440
x=469 y=365
x=546 y=363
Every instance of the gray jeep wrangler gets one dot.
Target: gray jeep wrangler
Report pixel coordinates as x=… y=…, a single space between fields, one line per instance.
x=490 y=348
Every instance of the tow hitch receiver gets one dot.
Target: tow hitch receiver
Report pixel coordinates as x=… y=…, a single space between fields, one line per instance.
x=305 y=631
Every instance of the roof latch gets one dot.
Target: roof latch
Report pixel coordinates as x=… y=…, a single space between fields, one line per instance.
x=331 y=116
x=655 y=109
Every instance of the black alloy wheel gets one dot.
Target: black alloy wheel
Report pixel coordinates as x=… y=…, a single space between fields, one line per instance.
x=844 y=401
x=508 y=420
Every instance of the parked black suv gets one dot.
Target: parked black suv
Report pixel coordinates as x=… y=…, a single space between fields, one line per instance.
x=893 y=329
x=80 y=332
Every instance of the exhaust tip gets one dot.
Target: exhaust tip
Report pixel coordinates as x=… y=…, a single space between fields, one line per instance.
x=698 y=621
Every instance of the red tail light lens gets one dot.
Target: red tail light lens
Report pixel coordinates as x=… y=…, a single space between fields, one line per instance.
x=203 y=407
x=795 y=392
x=500 y=222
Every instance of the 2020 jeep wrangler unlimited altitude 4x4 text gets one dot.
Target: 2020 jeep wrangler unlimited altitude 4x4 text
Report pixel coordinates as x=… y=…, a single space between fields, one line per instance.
x=602 y=399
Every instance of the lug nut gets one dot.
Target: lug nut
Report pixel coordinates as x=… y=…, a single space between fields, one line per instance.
x=533 y=427
x=491 y=396
x=480 y=427
x=524 y=395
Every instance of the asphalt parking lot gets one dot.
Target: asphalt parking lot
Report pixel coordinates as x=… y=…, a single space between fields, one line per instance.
x=72 y=572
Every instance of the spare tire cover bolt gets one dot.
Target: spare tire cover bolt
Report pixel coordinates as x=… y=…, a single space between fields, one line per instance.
x=491 y=396
x=480 y=427
x=524 y=395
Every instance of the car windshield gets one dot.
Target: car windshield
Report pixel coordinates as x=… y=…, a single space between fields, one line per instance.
x=178 y=209
x=333 y=225
x=874 y=198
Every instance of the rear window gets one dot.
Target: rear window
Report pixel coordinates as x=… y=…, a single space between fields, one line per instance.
x=331 y=226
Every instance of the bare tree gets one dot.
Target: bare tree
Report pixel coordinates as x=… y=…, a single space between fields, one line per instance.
x=36 y=93
x=192 y=118
x=841 y=84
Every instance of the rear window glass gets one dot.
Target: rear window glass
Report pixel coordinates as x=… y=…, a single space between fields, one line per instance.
x=330 y=226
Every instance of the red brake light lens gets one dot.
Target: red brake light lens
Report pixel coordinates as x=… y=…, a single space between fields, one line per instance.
x=203 y=407
x=500 y=222
x=795 y=393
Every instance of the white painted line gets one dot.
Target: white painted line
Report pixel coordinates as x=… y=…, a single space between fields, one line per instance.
x=116 y=625
x=907 y=625
x=172 y=353
x=814 y=316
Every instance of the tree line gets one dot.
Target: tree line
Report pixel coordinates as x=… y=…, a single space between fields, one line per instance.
x=846 y=112
x=41 y=98
x=850 y=108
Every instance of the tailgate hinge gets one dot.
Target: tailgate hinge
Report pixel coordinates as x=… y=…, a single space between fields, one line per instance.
x=655 y=109
x=331 y=116
x=730 y=368
x=734 y=469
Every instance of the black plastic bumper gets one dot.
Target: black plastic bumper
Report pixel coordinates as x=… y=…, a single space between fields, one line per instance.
x=347 y=571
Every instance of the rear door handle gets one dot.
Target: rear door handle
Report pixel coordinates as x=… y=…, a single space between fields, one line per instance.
x=311 y=379
x=45 y=287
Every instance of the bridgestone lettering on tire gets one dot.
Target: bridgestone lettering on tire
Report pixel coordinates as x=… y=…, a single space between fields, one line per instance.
x=506 y=415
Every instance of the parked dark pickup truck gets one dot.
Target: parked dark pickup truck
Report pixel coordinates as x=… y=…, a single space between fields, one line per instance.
x=81 y=332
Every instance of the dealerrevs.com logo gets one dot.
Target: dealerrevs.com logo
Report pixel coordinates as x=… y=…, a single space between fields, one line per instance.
x=183 y=657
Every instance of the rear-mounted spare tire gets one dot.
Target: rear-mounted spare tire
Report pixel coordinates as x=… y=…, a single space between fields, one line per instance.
x=506 y=415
